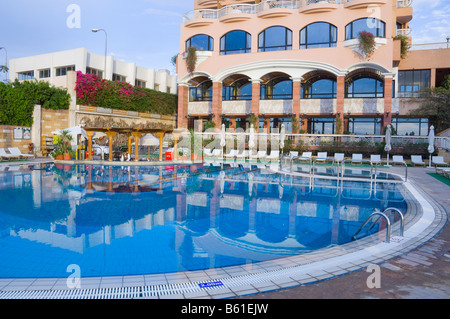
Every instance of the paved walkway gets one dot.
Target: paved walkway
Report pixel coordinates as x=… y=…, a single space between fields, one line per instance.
x=422 y=273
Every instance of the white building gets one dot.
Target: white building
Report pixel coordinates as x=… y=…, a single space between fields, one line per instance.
x=53 y=67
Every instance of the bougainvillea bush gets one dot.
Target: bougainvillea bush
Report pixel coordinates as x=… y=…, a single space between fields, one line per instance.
x=95 y=91
x=366 y=43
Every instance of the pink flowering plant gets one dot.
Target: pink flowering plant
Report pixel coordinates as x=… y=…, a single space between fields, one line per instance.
x=95 y=91
x=366 y=43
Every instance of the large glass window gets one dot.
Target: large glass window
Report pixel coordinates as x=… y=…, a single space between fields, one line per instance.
x=364 y=86
x=277 y=89
x=25 y=76
x=412 y=82
x=202 y=42
x=275 y=39
x=364 y=126
x=411 y=127
x=319 y=87
x=202 y=92
x=318 y=35
x=235 y=42
x=372 y=25
x=321 y=125
x=240 y=90
x=63 y=71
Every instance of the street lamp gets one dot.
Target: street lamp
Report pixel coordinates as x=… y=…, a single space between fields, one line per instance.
x=106 y=48
x=6 y=63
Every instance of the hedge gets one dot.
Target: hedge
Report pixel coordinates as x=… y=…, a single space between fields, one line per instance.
x=94 y=91
x=17 y=100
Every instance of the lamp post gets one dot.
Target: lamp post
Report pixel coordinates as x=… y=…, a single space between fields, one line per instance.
x=6 y=63
x=106 y=48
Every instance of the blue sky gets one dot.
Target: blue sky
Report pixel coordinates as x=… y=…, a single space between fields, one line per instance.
x=141 y=31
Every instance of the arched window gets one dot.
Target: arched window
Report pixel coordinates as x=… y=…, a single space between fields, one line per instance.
x=235 y=42
x=372 y=25
x=320 y=87
x=239 y=90
x=275 y=39
x=318 y=35
x=279 y=88
x=202 y=42
x=201 y=92
x=364 y=86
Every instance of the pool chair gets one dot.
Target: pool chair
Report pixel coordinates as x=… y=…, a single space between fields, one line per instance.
x=417 y=160
x=338 y=157
x=216 y=153
x=293 y=154
x=232 y=154
x=357 y=158
x=321 y=157
x=306 y=157
x=398 y=159
x=7 y=156
x=375 y=159
x=207 y=152
x=438 y=161
x=260 y=155
x=15 y=151
x=274 y=155
x=244 y=155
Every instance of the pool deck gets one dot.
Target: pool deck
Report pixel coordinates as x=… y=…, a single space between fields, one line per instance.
x=419 y=272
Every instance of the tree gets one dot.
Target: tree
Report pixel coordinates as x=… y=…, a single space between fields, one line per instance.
x=435 y=106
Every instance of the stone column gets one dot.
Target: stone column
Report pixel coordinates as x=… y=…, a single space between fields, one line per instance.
x=183 y=103
x=89 y=134
x=387 y=119
x=161 y=137
x=256 y=96
x=110 y=138
x=136 y=136
x=296 y=91
x=340 y=95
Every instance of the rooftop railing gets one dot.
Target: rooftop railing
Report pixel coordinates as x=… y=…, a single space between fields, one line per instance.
x=430 y=46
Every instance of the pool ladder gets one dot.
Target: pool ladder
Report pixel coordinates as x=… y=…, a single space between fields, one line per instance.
x=388 y=222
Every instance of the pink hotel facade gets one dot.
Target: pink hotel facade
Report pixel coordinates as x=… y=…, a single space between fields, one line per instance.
x=290 y=60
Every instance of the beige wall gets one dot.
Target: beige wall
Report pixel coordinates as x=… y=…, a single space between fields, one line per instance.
x=7 y=139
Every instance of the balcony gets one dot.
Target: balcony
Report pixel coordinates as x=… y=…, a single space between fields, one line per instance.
x=276 y=9
x=236 y=13
x=404 y=11
x=199 y=18
x=362 y=4
x=318 y=6
x=200 y=108
x=404 y=32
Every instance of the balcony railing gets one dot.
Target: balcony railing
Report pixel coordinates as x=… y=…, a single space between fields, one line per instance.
x=404 y=32
x=430 y=46
x=404 y=3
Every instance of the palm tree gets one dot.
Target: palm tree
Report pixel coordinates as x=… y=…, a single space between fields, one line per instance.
x=3 y=68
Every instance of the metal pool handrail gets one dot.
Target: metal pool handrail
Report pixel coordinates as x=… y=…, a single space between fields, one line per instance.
x=388 y=223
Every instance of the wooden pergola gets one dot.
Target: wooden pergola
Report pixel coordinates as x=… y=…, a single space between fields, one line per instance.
x=135 y=132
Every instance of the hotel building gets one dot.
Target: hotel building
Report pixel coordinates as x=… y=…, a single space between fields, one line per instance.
x=291 y=61
x=53 y=68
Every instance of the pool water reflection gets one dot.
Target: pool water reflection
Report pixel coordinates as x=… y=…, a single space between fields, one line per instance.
x=130 y=220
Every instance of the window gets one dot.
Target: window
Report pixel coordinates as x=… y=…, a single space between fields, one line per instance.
x=364 y=126
x=202 y=92
x=321 y=125
x=412 y=82
x=24 y=76
x=364 y=86
x=63 y=71
x=275 y=39
x=202 y=42
x=277 y=89
x=119 y=78
x=411 y=127
x=140 y=83
x=239 y=90
x=44 y=74
x=275 y=123
x=318 y=35
x=319 y=87
x=372 y=25
x=94 y=72
x=235 y=42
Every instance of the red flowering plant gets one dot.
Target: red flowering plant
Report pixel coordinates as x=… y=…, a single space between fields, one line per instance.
x=95 y=91
x=366 y=43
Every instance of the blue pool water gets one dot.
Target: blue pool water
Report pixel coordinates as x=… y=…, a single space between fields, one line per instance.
x=130 y=220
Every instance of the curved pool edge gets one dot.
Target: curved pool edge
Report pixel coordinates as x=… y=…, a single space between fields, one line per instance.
x=235 y=281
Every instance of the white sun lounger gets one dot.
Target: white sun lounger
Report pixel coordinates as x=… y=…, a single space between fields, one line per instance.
x=438 y=160
x=17 y=152
x=7 y=156
x=245 y=154
x=260 y=155
x=338 y=157
x=375 y=159
x=417 y=160
x=398 y=159
x=274 y=155
x=232 y=154
x=357 y=158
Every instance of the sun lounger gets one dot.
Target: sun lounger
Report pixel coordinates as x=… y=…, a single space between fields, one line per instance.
x=17 y=152
x=306 y=156
x=7 y=156
x=357 y=158
x=293 y=154
x=232 y=154
x=398 y=159
x=274 y=155
x=207 y=152
x=417 y=160
x=338 y=157
x=216 y=152
x=260 y=155
x=375 y=159
x=321 y=157
x=438 y=160
x=245 y=154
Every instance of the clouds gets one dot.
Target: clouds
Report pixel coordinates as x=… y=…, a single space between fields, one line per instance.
x=430 y=23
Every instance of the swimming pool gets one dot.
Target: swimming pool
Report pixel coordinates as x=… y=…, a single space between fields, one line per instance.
x=130 y=220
